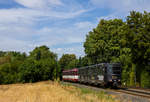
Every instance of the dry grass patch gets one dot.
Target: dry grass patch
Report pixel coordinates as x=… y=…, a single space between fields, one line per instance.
x=89 y=95
x=48 y=92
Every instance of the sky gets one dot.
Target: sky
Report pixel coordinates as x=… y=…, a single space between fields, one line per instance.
x=62 y=25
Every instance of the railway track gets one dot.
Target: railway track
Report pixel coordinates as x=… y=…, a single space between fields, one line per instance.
x=145 y=94
x=128 y=92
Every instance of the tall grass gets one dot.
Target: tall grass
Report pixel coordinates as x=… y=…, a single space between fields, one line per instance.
x=49 y=92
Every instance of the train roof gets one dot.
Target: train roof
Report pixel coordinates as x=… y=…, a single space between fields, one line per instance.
x=74 y=70
x=100 y=64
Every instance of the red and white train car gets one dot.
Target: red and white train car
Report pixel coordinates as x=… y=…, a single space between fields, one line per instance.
x=70 y=75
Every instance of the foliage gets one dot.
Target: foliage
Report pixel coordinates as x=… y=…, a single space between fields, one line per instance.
x=145 y=78
x=40 y=65
x=83 y=61
x=68 y=61
x=9 y=72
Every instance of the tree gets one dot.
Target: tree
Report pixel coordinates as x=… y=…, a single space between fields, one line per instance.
x=138 y=35
x=67 y=59
x=42 y=52
x=9 y=66
x=40 y=65
x=83 y=61
x=102 y=44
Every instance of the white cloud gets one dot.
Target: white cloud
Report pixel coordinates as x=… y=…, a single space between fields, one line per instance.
x=39 y=4
x=31 y=15
x=123 y=4
x=78 y=50
x=22 y=16
x=24 y=38
x=31 y=3
x=121 y=8
x=55 y=2
x=85 y=25
x=19 y=28
x=70 y=34
x=114 y=15
x=8 y=44
x=18 y=16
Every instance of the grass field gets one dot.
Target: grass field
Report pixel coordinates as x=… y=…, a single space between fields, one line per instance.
x=50 y=92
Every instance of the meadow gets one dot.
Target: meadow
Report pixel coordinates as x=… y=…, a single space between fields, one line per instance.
x=48 y=91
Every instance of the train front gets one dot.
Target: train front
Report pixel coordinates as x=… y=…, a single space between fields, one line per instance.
x=115 y=74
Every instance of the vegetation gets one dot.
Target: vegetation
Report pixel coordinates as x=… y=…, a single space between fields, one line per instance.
x=68 y=61
x=49 y=91
x=40 y=65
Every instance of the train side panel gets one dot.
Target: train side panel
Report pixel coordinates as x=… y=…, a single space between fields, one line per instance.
x=92 y=74
x=70 y=75
x=107 y=74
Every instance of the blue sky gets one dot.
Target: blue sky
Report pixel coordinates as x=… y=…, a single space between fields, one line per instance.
x=62 y=25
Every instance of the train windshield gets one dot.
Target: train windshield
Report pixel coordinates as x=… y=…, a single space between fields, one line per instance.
x=116 y=70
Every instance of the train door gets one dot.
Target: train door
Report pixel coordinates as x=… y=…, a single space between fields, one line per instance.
x=105 y=74
x=100 y=74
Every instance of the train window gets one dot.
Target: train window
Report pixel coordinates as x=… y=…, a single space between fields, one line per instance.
x=99 y=69
x=88 y=71
x=95 y=70
x=110 y=69
x=76 y=73
x=116 y=68
x=82 y=71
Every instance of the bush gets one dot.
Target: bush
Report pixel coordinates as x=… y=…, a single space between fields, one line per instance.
x=145 y=79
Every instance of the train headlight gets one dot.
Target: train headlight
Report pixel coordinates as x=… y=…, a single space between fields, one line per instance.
x=114 y=77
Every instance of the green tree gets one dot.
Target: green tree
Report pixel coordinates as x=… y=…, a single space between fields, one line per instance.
x=67 y=59
x=84 y=61
x=42 y=52
x=138 y=36
x=40 y=65
x=103 y=43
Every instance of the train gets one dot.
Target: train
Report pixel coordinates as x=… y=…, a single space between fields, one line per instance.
x=104 y=74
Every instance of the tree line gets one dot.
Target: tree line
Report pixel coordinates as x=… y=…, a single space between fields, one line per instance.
x=41 y=64
x=116 y=40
